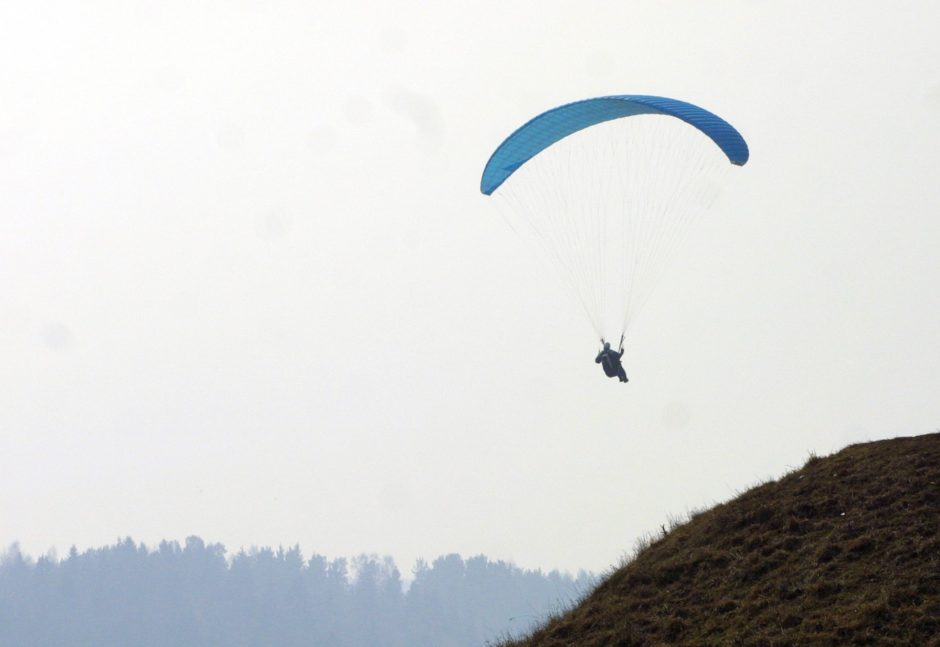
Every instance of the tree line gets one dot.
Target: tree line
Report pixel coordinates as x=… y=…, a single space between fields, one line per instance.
x=196 y=595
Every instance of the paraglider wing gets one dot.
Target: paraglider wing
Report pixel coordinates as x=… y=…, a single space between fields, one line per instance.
x=551 y=126
x=608 y=187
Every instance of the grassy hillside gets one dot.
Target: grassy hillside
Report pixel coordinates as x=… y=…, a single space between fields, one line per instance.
x=844 y=551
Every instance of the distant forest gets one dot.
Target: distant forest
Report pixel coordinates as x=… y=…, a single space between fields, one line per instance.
x=195 y=595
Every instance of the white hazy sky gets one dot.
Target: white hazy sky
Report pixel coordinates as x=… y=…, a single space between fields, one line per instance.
x=250 y=290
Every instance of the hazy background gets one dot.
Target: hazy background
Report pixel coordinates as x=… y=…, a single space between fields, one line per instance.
x=250 y=289
x=193 y=594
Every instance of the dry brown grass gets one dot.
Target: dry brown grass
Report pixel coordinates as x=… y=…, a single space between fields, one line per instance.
x=844 y=551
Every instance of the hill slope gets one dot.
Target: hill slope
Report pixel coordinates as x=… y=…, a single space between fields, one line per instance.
x=844 y=551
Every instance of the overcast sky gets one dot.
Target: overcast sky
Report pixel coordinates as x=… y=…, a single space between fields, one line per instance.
x=251 y=291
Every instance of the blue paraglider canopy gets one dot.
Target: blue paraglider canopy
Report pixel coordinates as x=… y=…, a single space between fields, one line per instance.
x=557 y=123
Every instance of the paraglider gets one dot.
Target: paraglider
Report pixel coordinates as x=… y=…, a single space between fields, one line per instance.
x=608 y=187
x=609 y=359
